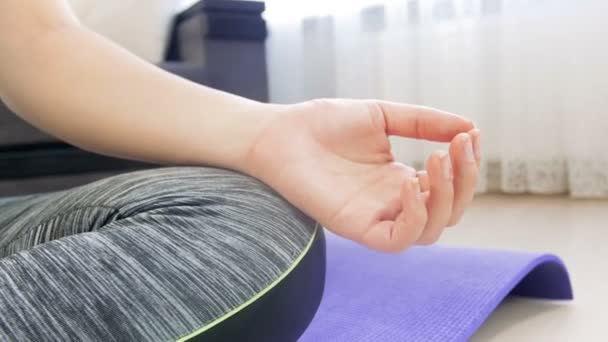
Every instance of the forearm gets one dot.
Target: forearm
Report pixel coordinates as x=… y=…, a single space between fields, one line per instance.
x=84 y=89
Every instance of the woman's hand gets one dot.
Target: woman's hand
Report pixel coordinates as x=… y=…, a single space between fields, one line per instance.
x=333 y=160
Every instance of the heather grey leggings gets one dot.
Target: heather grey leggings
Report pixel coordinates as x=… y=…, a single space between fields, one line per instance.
x=158 y=255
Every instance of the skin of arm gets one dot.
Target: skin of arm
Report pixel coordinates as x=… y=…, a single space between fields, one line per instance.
x=76 y=85
x=332 y=159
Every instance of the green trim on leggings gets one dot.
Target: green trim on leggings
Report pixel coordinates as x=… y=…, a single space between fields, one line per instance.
x=256 y=296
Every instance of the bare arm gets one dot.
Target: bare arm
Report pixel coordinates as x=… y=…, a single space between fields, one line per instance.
x=78 y=86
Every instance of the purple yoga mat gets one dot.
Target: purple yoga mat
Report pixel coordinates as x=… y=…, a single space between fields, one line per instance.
x=426 y=293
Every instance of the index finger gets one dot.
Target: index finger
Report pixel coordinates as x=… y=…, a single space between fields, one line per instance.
x=421 y=122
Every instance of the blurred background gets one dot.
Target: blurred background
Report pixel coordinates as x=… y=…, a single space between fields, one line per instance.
x=532 y=74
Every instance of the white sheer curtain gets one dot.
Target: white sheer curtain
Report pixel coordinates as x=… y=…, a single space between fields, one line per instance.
x=533 y=74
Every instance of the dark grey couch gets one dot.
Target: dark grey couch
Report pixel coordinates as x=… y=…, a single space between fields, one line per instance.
x=218 y=43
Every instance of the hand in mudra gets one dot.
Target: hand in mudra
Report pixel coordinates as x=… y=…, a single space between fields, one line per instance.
x=333 y=160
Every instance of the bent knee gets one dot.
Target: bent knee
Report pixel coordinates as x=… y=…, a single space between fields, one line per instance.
x=227 y=191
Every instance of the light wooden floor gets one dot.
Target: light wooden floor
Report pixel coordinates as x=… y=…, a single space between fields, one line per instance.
x=577 y=231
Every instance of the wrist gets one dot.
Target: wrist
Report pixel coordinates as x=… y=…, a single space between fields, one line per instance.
x=278 y=143
x=251 y=123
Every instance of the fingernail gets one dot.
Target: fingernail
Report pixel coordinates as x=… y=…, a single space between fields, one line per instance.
x=476 y=144
x=468 y=149
x=446 y=166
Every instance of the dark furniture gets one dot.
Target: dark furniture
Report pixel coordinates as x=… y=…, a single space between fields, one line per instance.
x=218 y=43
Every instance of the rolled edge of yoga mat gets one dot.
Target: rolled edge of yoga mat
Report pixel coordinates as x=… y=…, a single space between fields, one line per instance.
x=426 y=293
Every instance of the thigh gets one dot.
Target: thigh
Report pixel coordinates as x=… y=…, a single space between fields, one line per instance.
x=28 y=221
x=158 y=255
